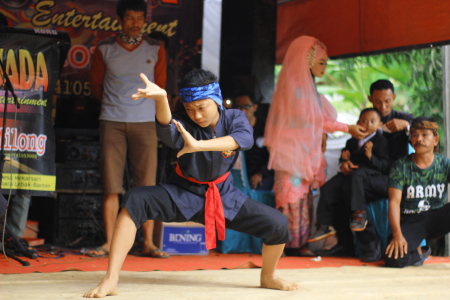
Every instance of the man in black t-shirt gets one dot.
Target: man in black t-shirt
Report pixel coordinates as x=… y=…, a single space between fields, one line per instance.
x=417 y=197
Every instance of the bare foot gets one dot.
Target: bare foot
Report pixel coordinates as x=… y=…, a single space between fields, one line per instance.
x=274 y=282
x=107 y=287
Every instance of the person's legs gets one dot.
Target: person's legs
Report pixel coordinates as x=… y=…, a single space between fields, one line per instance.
x=359 y=180
x=123 y=239
x=330 y=196
x=438 y=223
x=139 y=204
x=265 y=222
x=361 y=192
x=367 y=186
x=298 y=215
x=143 y=150
x=271 y=255
x=340 y=222
x=372 y=243
x=414 y=230
x=110 y=211
x=113 y=149
x=18 y=213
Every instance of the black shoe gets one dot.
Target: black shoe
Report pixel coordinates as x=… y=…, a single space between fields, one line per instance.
x=426 y=251
x=337 y=250
x=359 y=221
x=372 y=251
x=322 y=232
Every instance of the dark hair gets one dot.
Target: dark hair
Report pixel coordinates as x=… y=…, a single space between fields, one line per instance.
x=436 y=133
x=196 y=78
x=135 y=5
x=159 y=36
x=380 y=85
x=369 y=109
x=249 y=94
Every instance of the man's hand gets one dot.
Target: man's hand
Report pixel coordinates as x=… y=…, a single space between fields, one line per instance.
x=357 y=131
x=190 y=144
x=151 y=91
x=255 y=180
x=347 y=167
x=368 y=147
x=398 y=245
x=397 y=125
x=345 y=155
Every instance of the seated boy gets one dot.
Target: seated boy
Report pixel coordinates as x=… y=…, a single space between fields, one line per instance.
x=417 y=197
x=359 y=159
x=200 y=190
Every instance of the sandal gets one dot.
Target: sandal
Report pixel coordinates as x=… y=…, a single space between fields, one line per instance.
x=156 y=253
x=98 y=249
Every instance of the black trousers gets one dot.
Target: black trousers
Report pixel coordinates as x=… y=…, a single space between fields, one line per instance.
x=415 y=228
x=367 y=185
x=254 y=218
x=335 y=206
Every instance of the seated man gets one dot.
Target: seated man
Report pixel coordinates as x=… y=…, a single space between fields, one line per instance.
x=256 y=158
x=396 y=131
x=360 y=159
x=417 y=197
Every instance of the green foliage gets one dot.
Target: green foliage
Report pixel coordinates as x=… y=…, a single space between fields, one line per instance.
x=416 y=75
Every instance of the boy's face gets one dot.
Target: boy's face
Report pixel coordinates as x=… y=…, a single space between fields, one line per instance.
x=203 y=112
x=371 y=121
x=423 y=140
x=132 y=22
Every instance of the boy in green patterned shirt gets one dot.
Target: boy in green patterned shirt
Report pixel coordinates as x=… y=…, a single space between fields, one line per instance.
x=417 y=197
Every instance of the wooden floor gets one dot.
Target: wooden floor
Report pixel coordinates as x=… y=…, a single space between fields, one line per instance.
x=432 y=281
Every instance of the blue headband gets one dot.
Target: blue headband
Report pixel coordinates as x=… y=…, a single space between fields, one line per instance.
x=210 y=91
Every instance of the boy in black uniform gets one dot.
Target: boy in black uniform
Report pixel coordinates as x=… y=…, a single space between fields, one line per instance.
x=208 y=138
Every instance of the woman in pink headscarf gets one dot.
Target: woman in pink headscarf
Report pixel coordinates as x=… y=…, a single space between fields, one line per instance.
x=298 y=118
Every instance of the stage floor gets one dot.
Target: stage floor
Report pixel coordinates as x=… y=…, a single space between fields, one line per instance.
x=363 y=282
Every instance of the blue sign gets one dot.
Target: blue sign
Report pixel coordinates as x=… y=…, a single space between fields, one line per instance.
x=184 y=240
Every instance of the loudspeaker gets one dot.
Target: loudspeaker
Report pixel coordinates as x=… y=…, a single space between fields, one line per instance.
x=83 y=232
x=79 y=206
x=78 y=178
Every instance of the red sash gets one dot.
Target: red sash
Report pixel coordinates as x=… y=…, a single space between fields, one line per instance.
x=214 y=216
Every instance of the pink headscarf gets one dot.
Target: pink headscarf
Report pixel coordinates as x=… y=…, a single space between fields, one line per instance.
x=295 y=122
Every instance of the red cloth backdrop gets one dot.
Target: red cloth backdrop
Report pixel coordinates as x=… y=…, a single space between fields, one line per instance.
x=354 y=27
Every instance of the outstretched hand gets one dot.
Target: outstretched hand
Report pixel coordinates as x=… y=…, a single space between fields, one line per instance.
x=151 y=91
x=190 y=144
x=357 y=131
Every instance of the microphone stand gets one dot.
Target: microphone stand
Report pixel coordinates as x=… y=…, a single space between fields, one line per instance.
x=14 y=240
